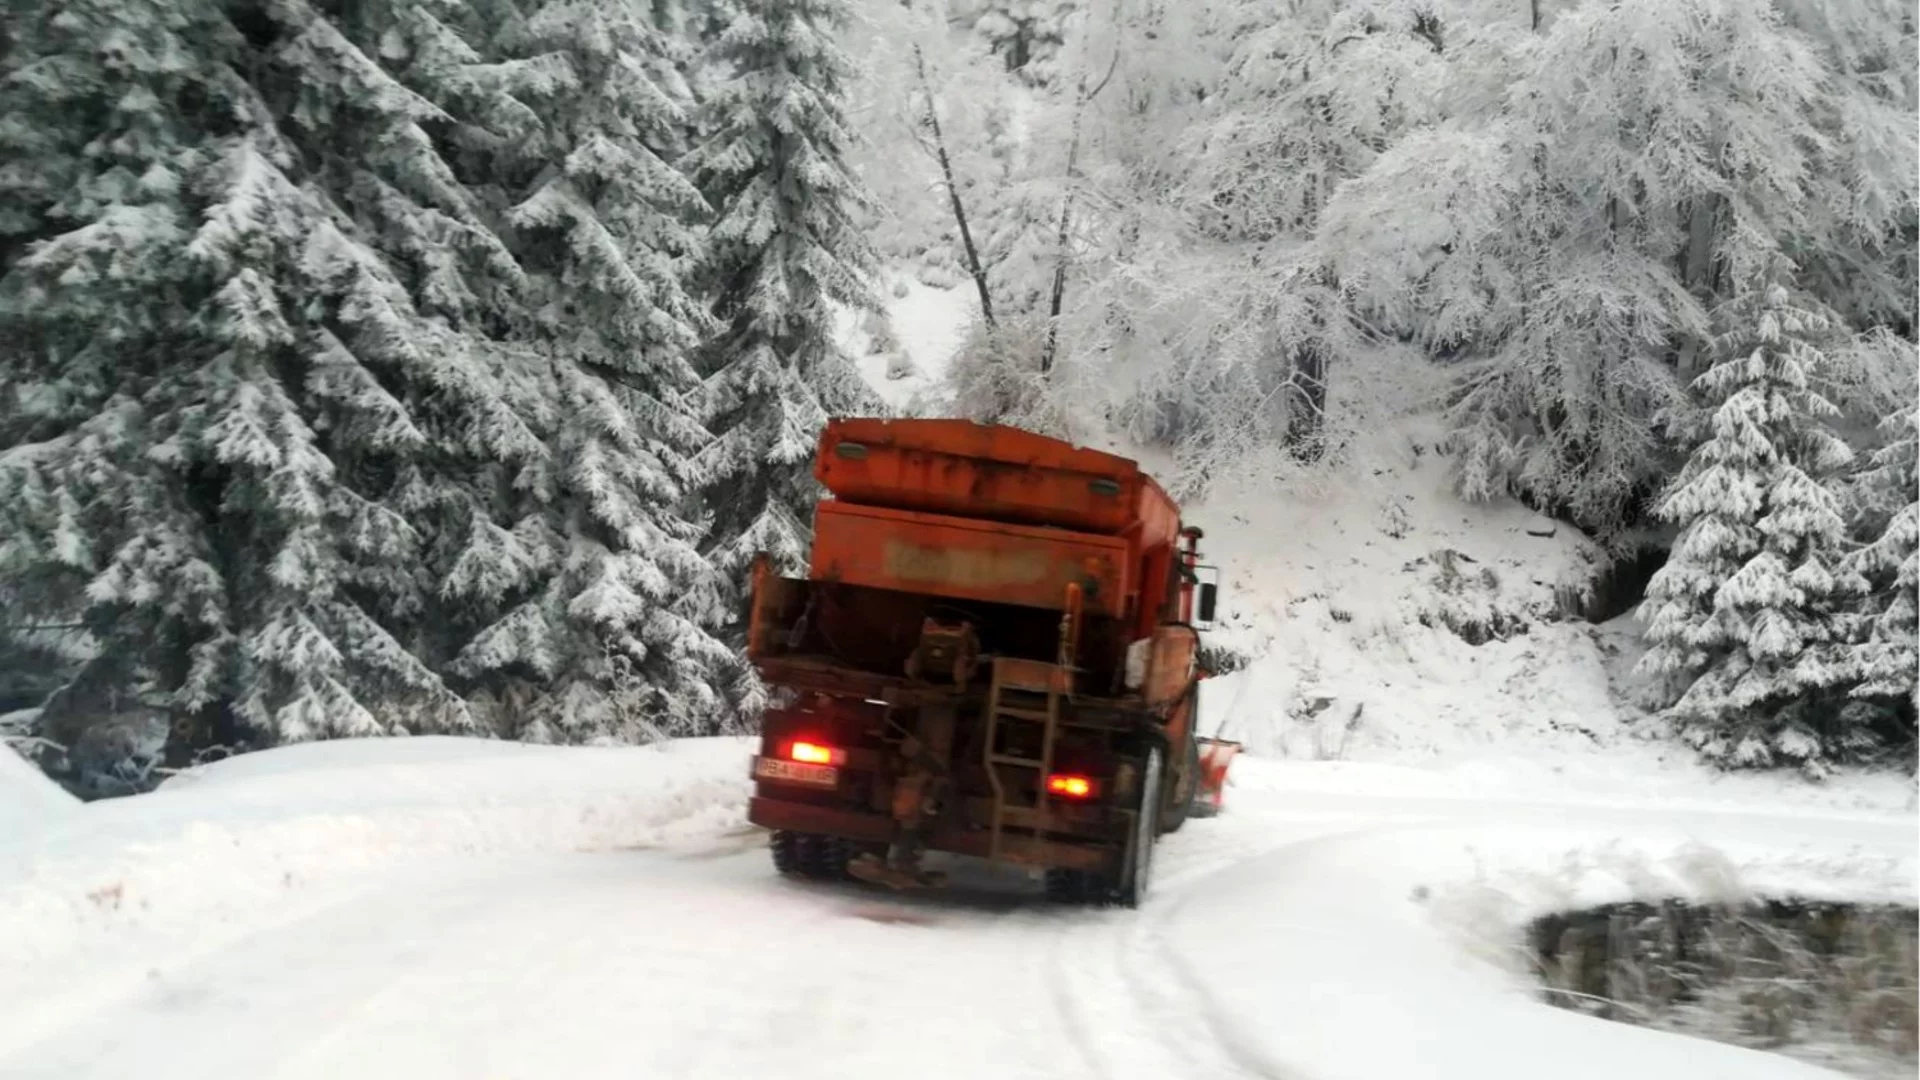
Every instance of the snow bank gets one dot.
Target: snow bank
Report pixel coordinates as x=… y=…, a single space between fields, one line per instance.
x=251 y=833
x=1384 y=949
x=302 y=763
x=1633 y=774
x=28 y=800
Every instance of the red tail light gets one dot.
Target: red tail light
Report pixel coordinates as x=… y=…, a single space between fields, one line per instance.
x=813 y=753
x=1070 y=786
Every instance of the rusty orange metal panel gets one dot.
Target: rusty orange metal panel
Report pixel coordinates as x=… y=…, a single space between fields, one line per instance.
x=1171 y=665
x=1035 y=675
x=989 y=471
x=967 y=559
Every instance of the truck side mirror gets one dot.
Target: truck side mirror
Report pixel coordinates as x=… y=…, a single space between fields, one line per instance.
x=1209 y=597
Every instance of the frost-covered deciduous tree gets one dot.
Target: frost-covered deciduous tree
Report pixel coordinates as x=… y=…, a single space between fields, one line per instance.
x=1568 y=224
x=1229 y=322
x=1325 y=89
x=1749 y=621
x=1026 y=34
x=783 y=250
x=1857 y=246
x=911 y=73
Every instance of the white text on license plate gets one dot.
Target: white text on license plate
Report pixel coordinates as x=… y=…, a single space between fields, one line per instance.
x=795 y=772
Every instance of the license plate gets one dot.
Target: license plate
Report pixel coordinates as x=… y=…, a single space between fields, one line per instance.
x=795 y=772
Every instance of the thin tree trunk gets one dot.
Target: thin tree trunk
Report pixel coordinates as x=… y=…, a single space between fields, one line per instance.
x=1059 y=291
x=1697 y=271
x=1307 y=410
x=1058 y=295
x=974 y=268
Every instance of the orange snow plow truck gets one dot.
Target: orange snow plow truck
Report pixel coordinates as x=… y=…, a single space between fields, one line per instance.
x=993 y=654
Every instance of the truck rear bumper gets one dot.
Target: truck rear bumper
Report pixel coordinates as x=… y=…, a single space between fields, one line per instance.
x=878 y=829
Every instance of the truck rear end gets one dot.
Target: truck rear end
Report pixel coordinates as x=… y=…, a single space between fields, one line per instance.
x=991 y=655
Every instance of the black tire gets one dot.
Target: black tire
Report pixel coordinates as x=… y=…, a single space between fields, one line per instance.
x=1136 y=885
x=1186 y=792
x=811 y=856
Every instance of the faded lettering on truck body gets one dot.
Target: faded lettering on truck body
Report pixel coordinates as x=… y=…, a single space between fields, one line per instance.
x=966 y=560
x=988 y=568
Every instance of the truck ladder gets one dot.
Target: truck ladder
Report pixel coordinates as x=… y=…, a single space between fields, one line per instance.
x=1023 y=693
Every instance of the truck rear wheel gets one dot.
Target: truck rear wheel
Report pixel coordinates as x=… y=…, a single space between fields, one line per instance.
x=812 y=856
x=1130 y=887
x=1186 y=791
x=1146 y=830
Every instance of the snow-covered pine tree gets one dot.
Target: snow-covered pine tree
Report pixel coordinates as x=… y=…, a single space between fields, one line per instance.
x=313 y=397
x=1748 y=622
x=280 y=379
x=1884 y=654
x=616 y=629
x=783 y=251
x=402 y=287
x=161 y=484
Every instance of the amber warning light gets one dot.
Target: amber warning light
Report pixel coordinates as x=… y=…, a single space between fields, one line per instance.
x=1068 y=786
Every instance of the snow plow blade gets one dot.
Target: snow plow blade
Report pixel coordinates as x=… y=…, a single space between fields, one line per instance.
x=1216 y=756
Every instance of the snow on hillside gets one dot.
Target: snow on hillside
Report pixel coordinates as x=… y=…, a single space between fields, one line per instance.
x=1359 y=606
x=1349 y=596
x=927 y=324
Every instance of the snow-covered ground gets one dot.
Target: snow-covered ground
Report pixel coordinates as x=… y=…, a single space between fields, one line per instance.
x=435 y=908
x=928 y=325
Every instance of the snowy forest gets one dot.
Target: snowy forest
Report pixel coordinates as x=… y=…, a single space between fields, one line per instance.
x=426 y=366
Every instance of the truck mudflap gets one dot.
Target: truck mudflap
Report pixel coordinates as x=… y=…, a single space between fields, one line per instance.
x=878 y=829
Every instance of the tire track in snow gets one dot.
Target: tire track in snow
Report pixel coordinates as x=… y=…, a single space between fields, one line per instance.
x=1127 y=1011
x=1119 y=1036
x=1167 y=989
x=1073 y=1014
x=1248 y=1058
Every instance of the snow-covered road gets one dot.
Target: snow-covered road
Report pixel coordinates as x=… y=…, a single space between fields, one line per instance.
x=1338 y=923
